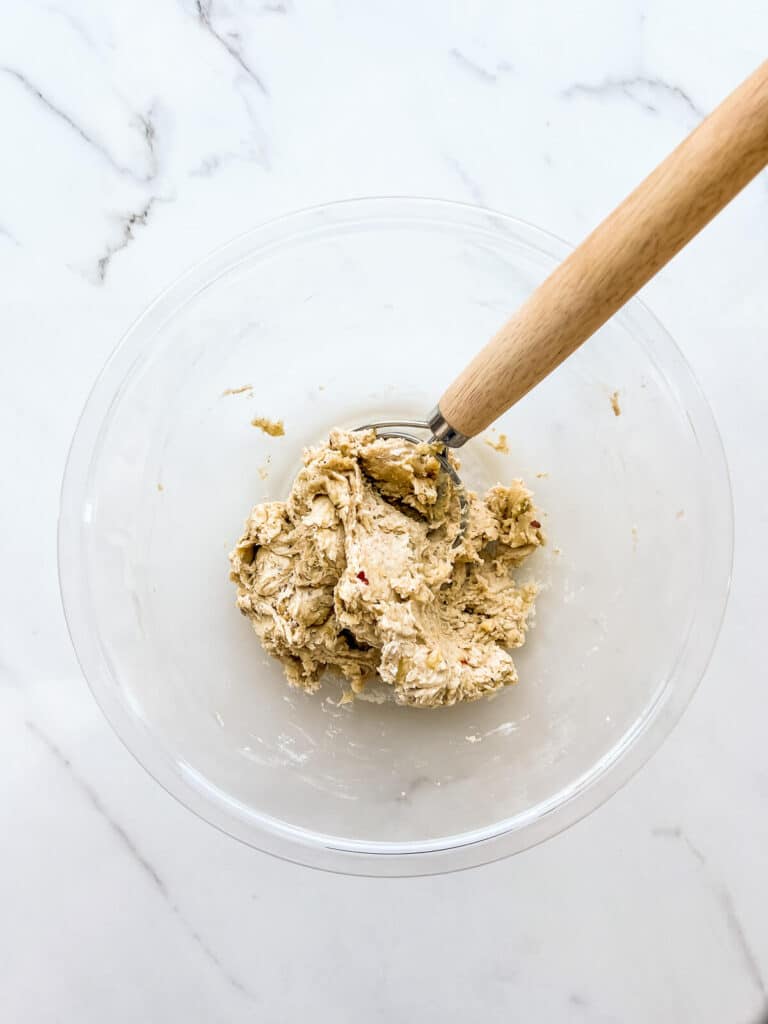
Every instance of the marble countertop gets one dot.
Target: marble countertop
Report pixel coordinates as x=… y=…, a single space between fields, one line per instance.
x=136 y=138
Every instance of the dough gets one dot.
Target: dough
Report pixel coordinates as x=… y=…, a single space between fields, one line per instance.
x=274 y=428
x=358 y=572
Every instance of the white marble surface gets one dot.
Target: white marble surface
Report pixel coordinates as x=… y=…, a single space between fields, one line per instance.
x=135 y=138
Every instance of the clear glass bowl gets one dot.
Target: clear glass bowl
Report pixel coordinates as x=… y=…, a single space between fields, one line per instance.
x=338 y=315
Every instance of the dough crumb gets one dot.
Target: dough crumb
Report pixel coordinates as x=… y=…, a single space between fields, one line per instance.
x=274 y=428
x=542 y=476
x=680 y=514
x=237 y=391
x=615 y=404
x=160 y=488
x=499 y=445
x=364 y=570
x=263 y=472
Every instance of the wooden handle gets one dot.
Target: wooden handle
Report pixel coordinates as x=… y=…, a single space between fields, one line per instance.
x=652 y=224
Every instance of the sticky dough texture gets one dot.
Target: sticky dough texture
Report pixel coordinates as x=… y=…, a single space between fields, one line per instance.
x=357 y=572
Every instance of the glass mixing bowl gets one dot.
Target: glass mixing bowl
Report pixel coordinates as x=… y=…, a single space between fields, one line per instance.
x=343 y=314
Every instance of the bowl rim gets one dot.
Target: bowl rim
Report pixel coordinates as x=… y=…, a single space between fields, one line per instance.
x=333 y=853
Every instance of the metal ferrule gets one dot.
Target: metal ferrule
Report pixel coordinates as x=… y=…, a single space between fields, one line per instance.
x=443 y=432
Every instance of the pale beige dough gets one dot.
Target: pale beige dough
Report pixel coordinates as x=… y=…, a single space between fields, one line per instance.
x=357 y=572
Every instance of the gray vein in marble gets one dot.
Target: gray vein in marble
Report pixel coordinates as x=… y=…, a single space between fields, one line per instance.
x=147 y=127
x=95 y=800
x=74 y=23
x=465 y=62
x=128 y=844
x=259 y=150
x=676 y=832
x=495 y=305
x=8 y=677
x=727 y=906
x=34 y=91
x=229 y=42
x=629 y=87
x=209 y=165
x=130 y=222
x=9 y=235
x=99 y=147
x=737 y=930
x=580 y=1007
x=473 y=187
